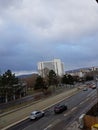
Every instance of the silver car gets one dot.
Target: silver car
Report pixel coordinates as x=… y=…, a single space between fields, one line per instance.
x=36 y=115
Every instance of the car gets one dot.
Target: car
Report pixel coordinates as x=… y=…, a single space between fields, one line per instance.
x=85 y=89
x=93 y=87
x=36 y=115
x=60 y=108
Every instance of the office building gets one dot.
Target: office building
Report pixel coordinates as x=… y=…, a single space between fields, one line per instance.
x=56 y=65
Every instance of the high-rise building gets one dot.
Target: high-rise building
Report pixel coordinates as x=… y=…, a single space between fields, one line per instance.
x=56 y=65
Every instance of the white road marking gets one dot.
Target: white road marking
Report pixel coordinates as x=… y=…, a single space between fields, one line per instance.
x=48 y=127
x=73 y=109
x=53 y=124
x=87 y=99
x=81 y=103
x=66 y=114
x=84 y=101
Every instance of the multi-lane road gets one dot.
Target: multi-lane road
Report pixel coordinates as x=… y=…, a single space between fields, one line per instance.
x=77 y=104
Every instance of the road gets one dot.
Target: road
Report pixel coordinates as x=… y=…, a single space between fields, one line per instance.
x=77 y=104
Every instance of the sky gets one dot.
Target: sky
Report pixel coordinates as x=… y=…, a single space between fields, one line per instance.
x=41 y=30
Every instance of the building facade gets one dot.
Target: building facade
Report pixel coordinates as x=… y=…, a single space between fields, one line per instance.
x=56 y=65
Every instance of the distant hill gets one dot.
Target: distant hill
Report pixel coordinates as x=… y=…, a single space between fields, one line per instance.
x=76 y=70
x=25 y=76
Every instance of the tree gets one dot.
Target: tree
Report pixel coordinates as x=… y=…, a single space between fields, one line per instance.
x=39 y=83
x=67 y=79
x=88 y=78
x=70 y=80
x=30 y=81
x=76 y=78
x=52 y=78
x=64 y=79
x=7 y=80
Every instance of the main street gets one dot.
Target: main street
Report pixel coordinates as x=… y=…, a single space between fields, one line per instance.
x=77 y=104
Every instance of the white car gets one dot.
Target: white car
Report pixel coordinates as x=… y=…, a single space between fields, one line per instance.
x=36 y=115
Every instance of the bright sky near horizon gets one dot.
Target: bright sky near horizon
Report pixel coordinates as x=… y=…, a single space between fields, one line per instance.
x=41 y=30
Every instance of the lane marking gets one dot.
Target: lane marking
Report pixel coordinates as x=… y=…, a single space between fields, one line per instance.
x=87 y=99
x=90 y=94
x=84 y=101
x=73 y=109
x=49 y=126
x=81 y=102
x=66 y=114
x=53 y=124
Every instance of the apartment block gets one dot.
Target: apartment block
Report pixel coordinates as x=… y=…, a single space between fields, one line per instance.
x=56 y=65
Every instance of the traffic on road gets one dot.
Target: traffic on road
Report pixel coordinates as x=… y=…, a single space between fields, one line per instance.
x=75 y=106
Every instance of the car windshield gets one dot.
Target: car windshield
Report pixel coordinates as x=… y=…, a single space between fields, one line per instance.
x=34 y=113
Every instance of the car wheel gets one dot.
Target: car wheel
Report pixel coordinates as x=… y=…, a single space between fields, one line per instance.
x=35 y=118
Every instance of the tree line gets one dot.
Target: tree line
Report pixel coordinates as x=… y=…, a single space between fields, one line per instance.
x=53 y=79
x=10 y=87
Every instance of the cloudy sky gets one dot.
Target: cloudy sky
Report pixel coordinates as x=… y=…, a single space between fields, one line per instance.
x=41 y=30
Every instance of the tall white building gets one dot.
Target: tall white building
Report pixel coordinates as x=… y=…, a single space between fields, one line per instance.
x=56 y=65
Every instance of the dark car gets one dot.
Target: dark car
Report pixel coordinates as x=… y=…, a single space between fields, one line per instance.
x=60 y=108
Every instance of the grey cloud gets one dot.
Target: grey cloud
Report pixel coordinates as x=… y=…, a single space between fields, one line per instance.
x=54 y=19
x=32 y=31
x=8 y=3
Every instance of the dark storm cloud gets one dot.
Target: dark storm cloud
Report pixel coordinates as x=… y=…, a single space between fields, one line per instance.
x=30 y=30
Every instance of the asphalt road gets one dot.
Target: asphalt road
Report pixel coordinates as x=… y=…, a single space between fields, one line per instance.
x=77 y=104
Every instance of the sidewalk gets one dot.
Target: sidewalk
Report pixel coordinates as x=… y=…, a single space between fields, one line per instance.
x=22 y=114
